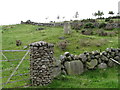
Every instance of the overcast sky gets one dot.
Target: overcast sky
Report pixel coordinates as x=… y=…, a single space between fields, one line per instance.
x=13 y=11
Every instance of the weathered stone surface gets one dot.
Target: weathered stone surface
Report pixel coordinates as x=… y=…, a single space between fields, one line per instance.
x=92 y=63
x=83 y=57
x=67 y=28
x=67 y=54
x=104 y=58
x=42 y=64
x=102 y=66
x=63 y=72
x=110 y=63
x=117 y=58
x=56 y=71
x=74 y=67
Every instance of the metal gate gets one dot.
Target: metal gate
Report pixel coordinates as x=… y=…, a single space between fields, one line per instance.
x=15 y=68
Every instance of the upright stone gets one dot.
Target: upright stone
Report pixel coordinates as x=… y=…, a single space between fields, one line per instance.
x=74 y=67
x=67 y=28
x=41 y=63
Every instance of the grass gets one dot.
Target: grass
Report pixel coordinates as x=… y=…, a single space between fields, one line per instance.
x=107 y=78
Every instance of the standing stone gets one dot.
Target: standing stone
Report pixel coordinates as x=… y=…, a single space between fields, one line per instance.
x=41 y=63
x=74 y=67
x=67 y=28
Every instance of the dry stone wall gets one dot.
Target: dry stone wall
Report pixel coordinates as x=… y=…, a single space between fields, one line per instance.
x=41 y=63
x=77 y=64
x=73 y=24
x=44 y=67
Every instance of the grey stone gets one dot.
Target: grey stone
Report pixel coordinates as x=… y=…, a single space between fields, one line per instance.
x=57 y=63
x=62 y=57
x=74 y=67
x=83 y=57
x=76 y=57
x=67 y=54
x=91 y=64
x=67 y=28
x=117 y=58
x=68 y=58
x=63 y=72
x=25 y=47
x=110 y=63
x=62 y=38
x=104 y=58
x=102 y=66
x=56 y=71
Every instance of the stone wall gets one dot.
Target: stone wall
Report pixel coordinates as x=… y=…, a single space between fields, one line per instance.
x=41 y=63
x=73 y=24
x=44 y=67
x=77 y=64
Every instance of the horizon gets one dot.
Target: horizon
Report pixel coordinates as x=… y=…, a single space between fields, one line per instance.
x=35 y=10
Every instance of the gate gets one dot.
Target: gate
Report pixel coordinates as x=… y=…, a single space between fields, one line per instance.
x=15 y=68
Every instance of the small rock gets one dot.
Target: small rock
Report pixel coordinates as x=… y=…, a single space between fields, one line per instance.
x=102 y=66
x=67 y=54
x=92 y=64
x=62 y=38
x=83 y=57
x=25 y=47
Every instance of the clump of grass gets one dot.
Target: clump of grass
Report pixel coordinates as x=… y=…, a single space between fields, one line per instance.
x=92 y=42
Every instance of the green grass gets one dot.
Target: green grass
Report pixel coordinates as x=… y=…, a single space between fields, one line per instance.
x=106 y=78
x=27 y=34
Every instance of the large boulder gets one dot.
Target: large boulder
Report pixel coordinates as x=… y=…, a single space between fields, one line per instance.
x=102 y=66
x=74 y=67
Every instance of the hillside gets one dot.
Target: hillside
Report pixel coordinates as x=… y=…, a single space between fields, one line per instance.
x=76 y=43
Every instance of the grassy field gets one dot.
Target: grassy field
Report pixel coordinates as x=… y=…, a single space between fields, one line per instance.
x=107 y=78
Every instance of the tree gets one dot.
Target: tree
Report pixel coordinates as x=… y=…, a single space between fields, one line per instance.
x=111 y=13
x=76 y=15
x=99 y=14
x=95 y=14
x=58 y=17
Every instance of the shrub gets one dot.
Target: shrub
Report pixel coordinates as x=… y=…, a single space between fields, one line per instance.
x=89 y=25
x=62 y=45
x=102 y=25
x=77 y=26
x=87 y=32
x=110 y=21
x=107 y=19
x=109 y=27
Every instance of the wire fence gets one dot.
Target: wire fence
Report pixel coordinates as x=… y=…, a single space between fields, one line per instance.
x=15 y=68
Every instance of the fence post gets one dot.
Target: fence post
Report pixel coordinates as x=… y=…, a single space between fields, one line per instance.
x=41 y=63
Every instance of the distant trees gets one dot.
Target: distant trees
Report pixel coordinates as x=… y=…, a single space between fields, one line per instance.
x=76 y=15
x=99 y=14
x=58 y=17
x=111 y=12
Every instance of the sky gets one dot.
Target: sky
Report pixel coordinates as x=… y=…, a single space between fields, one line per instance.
x=15 y=11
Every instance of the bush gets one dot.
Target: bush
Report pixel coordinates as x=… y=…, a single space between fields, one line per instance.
x=62 y=45
x=77 y=26
x=89 y=25
x=87 y=32
x=102 y=25
x=111 y=21
x=107 y=19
